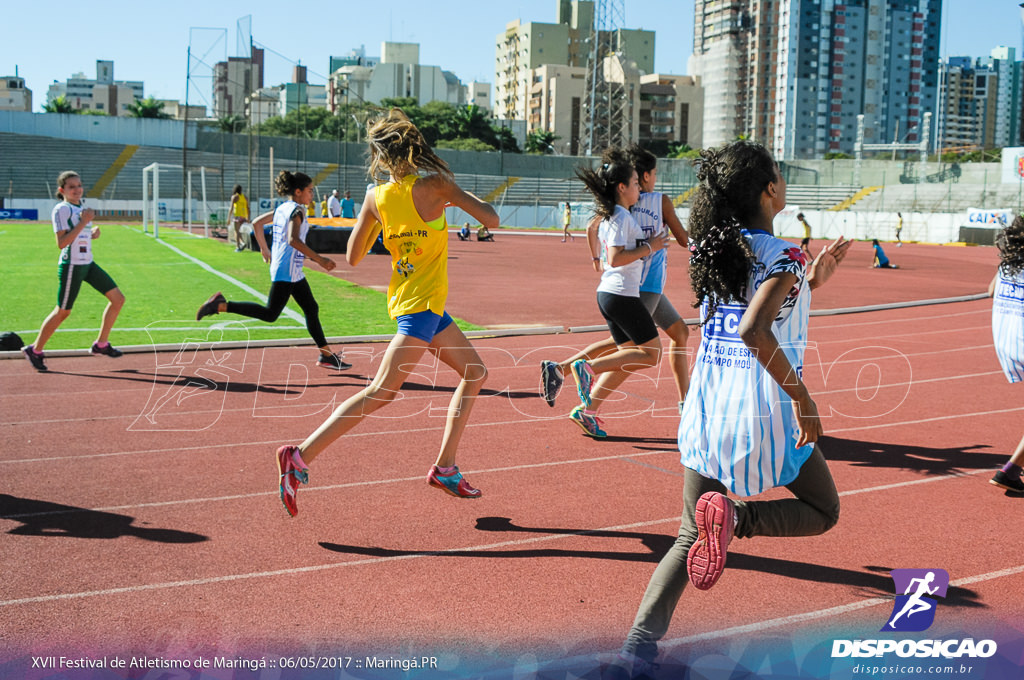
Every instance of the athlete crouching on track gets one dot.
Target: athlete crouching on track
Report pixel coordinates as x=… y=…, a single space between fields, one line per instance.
x=748 y=424
x=411 y=209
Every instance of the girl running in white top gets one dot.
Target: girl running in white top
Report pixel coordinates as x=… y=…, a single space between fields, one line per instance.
x=625 y=247
x=748 y=422
x=1007 y=290
x=286 y=259
x=72 y=223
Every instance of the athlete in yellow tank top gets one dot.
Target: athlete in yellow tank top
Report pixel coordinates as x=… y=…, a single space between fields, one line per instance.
x=419 y=251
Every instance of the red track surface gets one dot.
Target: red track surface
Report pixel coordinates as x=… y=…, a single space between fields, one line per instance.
x=139 y=509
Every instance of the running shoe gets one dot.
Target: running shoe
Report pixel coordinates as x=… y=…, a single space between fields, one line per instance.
x=293 y=471
x=550 y=381
x=584 y=376
x=715 y=516
x=1005 y=481
x=35 y=359
x=454 y=484
x=628 y=666
x=590 y=424
x=109 y=350
x=333 y=361
x=210 y=306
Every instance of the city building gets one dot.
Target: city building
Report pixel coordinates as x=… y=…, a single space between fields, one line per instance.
x=478 y=94
x=112 y=97
x=234 y=80
x=795 y=74
x=398 y=74
x=14 y=96
x=178 y=111
x=980 y=102
x=671 y=112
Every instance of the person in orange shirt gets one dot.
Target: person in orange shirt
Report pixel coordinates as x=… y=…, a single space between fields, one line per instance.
x=408 y=208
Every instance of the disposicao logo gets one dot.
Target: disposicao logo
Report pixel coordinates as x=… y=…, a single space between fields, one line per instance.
x=914 y=610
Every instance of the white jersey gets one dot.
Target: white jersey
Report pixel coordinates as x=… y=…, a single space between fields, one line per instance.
x=621 y=230
x=285 y=261
x=647 y=213
x=333 y=206
x=738 y=425
x=65 y=217
x=1008 y=325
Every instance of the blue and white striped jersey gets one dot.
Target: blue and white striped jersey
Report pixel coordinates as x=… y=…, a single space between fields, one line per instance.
x=647 y=213
x=738 y=425
x=1008 y=325
x=285 y=261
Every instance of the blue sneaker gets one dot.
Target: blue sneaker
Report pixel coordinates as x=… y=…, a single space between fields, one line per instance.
x=590 y=424
x=584 y=379
x=550 y=381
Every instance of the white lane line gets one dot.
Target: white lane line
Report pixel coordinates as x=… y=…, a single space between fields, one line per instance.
x=290 y=313
x=490 y=546
x=927 y=420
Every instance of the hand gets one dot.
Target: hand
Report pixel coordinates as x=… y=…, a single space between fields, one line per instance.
x=95 y=233
x=87 y=215
x=266 y=254
x=808 y=420
x=658 y=242
x=327 y=263
x=825 y=264
x=597 y=265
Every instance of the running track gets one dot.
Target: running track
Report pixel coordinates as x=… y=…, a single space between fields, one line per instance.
x=139 y=512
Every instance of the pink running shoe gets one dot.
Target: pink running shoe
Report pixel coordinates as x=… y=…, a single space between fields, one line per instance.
x=715 y=517
x=293 y=471
x=454 y=484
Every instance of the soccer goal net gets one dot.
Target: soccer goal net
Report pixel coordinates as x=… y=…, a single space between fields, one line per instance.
x=172 y=196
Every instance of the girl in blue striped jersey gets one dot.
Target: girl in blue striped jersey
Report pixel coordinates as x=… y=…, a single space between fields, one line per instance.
x=1007 y=291
x=748 y=423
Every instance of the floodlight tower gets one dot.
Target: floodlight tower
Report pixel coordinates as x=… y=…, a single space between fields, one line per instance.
x=604 y=111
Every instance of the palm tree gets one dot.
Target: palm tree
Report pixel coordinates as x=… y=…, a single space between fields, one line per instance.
x=541 y=141
x=59 y=105
x=231 y=123
x=147 y=108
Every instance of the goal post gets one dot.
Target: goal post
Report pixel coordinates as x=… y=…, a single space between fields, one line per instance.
x=162 y=199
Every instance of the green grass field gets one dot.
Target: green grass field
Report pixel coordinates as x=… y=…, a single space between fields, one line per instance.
x=164 y=289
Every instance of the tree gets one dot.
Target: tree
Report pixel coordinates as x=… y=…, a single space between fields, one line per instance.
x=541 y=141
x=59 y=105
x=463 y=144
x=231 y=123
x=147 y=108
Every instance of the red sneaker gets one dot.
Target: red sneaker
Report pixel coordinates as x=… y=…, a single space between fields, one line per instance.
x=454 y=484
x=293 y=471
x=715 y=517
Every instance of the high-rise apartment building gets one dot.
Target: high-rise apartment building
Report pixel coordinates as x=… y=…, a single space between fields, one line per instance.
x=795 y=74
x=234 y=80
x=980 y=101
x=398 y=74
x=524 y=47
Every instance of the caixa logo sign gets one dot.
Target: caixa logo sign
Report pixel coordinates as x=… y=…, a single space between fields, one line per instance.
x=989 y=218
x=914 y=610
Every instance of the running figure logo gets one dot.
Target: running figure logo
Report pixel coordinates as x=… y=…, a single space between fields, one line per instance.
x=914 y=610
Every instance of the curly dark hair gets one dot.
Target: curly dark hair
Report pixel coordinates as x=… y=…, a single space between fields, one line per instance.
x=1010 y=242
x=616 y=168
x=287 y=183
x=732 y=178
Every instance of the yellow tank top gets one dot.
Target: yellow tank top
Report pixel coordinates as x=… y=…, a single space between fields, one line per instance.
x=419 y=251
x=242 y=207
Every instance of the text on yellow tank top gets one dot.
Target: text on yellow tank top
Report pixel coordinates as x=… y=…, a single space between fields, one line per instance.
x=419 y=251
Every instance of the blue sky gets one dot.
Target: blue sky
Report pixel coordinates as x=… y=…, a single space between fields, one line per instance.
x=148 y=41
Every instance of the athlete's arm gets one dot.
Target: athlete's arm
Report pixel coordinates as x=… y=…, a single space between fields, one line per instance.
x=364 y=233
x=992 y=285
x=756 y=332
x=481 y=210
x=257 y=229
x=668 y=212
x=294 y=229
x=824 y=266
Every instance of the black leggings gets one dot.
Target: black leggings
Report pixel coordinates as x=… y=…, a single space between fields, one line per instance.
x=277 y=298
